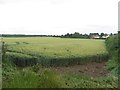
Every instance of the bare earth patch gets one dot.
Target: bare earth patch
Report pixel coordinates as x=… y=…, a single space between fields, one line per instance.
x=93 y=69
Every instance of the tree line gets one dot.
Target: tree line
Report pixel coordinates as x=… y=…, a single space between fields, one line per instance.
x=68 y=35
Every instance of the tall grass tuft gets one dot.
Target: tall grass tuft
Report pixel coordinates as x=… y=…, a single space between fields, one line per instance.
x=22 y=79
x=27 y=78
x=50 y=79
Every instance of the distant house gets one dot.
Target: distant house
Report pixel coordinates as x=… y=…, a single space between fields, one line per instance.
x=105 y=36
x=94 y=35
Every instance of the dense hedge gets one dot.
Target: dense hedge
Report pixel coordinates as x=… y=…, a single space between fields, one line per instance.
x=113 y=48
x=112 y=45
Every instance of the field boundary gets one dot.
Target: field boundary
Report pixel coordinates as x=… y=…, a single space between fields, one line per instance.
x=22 y=59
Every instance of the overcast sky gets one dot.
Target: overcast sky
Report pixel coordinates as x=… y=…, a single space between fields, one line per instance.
x=58 y=16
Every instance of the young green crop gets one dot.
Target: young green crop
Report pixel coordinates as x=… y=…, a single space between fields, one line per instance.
x=58 y=51
x=56 y=47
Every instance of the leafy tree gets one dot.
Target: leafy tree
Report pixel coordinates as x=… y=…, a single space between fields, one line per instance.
x=102 y=34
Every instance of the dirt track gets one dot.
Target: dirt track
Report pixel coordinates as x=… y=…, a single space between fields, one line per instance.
x=93 y=69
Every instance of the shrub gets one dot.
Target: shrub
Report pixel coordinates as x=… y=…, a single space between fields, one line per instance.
x=111 y=64
x=113 y=49
x=112 y=44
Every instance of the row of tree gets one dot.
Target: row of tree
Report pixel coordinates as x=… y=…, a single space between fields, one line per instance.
x=23 y=35
x=91 y=35
x=68 y=35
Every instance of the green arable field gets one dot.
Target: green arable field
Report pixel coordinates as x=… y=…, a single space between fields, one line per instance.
x=50 y=62
x=57 y=50
x=56 y=47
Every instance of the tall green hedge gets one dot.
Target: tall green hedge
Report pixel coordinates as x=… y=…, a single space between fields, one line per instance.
x=112 y=45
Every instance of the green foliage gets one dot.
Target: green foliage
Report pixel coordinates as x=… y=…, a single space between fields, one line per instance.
x=112 y=45
x=26 y=78
x=114 y=71
x=75 y=35
x=22 y=79
x=80 y=81
x=113 y=49
x=111 y=64
x=50 y=79
x=36 y=68
x=7 y=70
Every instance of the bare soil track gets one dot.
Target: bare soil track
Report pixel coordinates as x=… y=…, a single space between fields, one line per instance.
x=93 y=69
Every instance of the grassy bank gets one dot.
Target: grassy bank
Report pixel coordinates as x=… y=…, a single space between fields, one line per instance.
x=39 y=77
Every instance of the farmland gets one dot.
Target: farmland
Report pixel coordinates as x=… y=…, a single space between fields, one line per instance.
x=51 y=58
x=56 y=48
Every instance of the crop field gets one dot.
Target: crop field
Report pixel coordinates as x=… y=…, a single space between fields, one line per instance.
x=56 y=51
x=56 y=47
x=50 y=62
